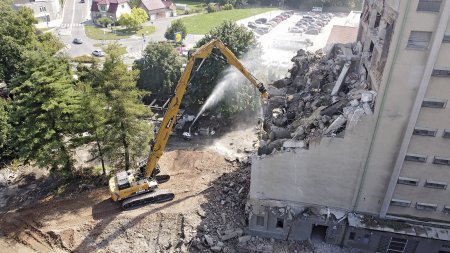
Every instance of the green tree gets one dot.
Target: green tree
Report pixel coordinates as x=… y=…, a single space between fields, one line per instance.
x=5 y=128
x=45 y=112
x=134 y=20
x=129 y=135
x=94 y=122
x=104 y=21
x=160 y=69
x=176 y=26
x=134 y=3
x=239 y=40
x=17 y=34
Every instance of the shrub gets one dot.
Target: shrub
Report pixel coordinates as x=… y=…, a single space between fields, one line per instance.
x=211 y=8
x=85 y=59
x=227 y=7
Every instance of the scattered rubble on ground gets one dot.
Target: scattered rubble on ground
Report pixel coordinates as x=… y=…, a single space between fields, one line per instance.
x=323 y=96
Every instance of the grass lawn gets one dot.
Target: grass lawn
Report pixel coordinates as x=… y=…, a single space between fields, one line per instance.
x=202 y=23
x=122 y=49
x=97 y=33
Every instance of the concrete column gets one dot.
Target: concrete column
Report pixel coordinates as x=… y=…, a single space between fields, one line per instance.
x=432 y=57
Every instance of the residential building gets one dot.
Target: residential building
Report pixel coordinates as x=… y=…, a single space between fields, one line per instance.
x=44 y=10
x=158 y=8
x=381 y=187
x=112 y=9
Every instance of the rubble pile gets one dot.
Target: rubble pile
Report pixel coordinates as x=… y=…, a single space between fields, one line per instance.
x=323 y=96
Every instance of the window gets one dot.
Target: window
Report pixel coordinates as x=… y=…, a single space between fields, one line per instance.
x=429 y=5
x=441 y=160
x=416 y=158
x=424 y=131
x=377 y=21
x=441 y=72
x=408 y=181
x=446 y=37
x=42 y=8
x=418 y=40
x=400 y=202
x=260 y=221
x=397 y=245
x=351 y=236
x=446 y=134
x=280 y=223
x=102 y=7
x=426 y=206
x=435 y=184
x=446 y=210
x=434 y=103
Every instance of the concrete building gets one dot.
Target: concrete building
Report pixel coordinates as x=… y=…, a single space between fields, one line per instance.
x=382 y=185
x=44 y=10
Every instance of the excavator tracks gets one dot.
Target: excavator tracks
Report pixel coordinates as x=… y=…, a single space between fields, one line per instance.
x=154 y=197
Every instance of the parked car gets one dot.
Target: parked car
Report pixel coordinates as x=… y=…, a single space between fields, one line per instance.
x=295 y=30
x=252 y=25
x=312 y=32
x=98 y=53
x=77 y=41
x=272 y=23
x=261 y=21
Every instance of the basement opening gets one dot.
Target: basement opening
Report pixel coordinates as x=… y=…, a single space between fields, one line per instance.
x=319 y=233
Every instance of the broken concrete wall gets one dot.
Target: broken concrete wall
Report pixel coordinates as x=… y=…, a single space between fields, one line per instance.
x=326 y=174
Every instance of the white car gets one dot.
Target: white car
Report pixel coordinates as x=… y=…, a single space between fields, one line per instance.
x=295 y=30
x=98 y=53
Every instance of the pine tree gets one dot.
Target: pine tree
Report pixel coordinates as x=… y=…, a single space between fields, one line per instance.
x=45 y=112
x=128 y=136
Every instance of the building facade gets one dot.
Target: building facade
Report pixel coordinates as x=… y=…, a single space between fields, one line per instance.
x=44 y=10
x=111 y=9
x=383 y=186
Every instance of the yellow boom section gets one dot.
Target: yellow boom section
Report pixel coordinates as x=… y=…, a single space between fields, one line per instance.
x=169 y=118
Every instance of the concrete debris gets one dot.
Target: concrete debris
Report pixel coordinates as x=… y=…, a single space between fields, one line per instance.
x=322 y=96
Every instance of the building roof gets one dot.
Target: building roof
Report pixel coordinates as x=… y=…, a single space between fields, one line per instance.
x=167 y=3
x=342 y=34
x=113 y=4
x=151 y=5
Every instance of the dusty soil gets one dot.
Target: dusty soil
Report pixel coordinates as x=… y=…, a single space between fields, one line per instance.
x=207 y=214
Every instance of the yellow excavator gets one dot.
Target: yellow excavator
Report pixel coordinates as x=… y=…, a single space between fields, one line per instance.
x=141 y=187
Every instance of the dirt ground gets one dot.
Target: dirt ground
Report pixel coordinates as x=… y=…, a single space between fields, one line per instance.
x=207 y=214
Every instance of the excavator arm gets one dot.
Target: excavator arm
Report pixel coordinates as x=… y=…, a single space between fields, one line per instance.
x=165 y=129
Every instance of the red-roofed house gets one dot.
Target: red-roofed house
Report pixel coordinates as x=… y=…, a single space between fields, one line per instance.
x=112 y=9
x=158 y=8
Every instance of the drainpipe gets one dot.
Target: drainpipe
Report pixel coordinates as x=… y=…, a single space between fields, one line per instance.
x=432 y=57
x=381 y=110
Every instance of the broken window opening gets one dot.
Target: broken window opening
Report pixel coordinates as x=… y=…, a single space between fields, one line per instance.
x=441 y=72
x=260 y=221
x=435 y=185
x=441 y=160
x=434 y=103
x=446 y=210
x=351 y=236
x=400 y=202
x=419 y=40
x=429 y=5
x=408 y=181
x=377 y=21
x=280 y=223
x=416 y=158
x=446 y=37
x=426 y=206
x=371 y=46
x=446 y=134
x=424 y=131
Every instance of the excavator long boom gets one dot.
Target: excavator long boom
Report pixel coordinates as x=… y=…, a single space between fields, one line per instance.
x=203 y=52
